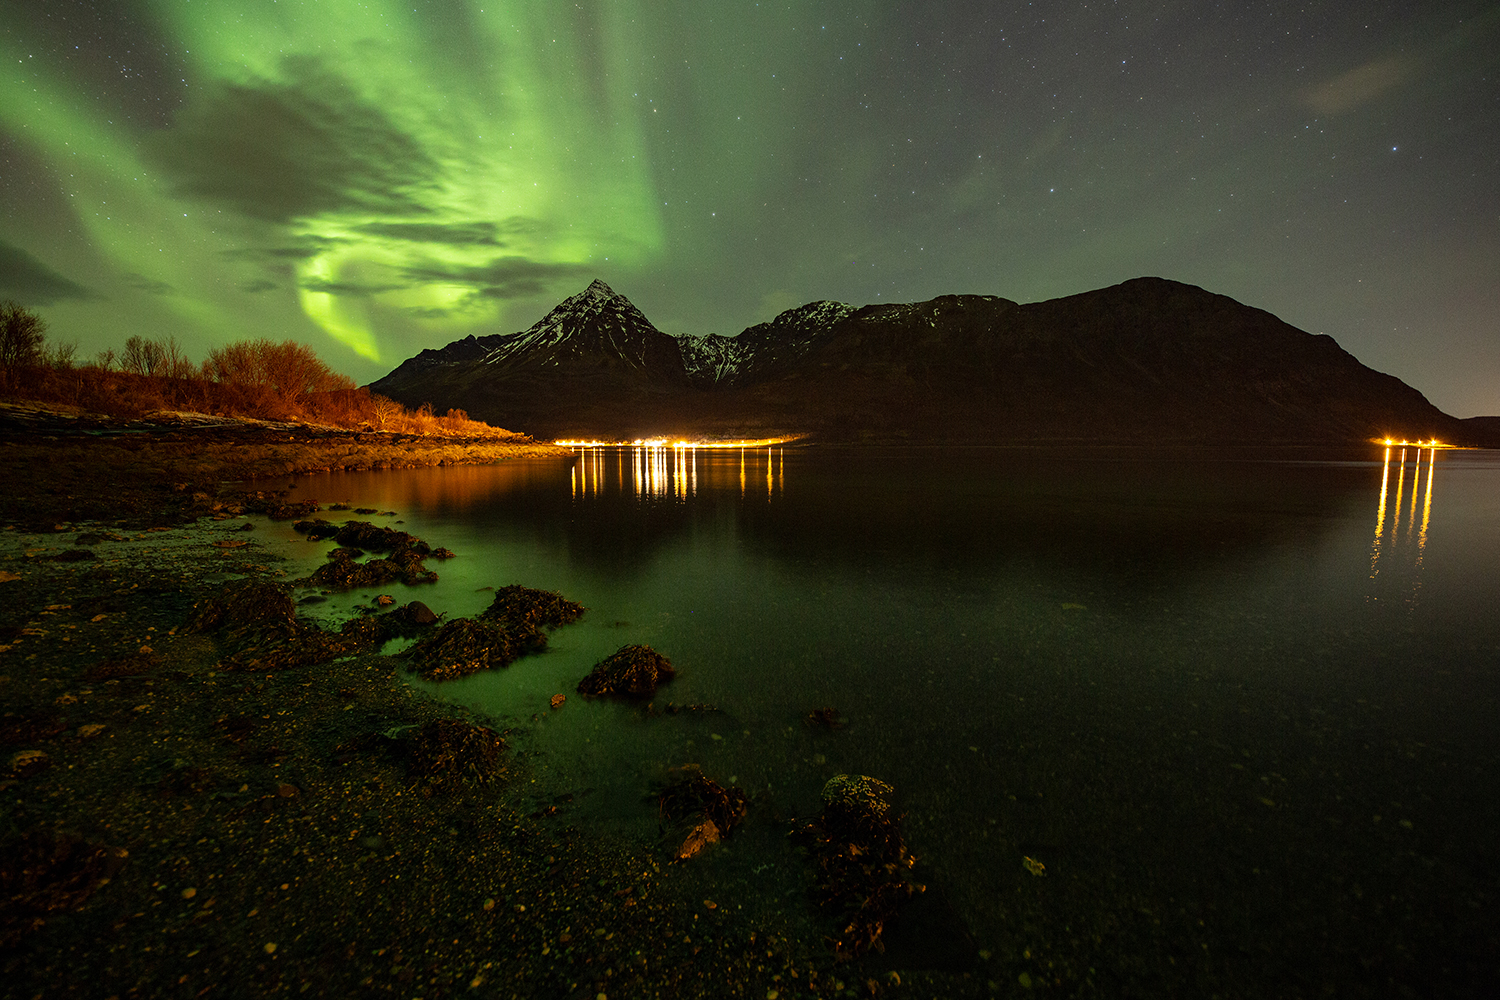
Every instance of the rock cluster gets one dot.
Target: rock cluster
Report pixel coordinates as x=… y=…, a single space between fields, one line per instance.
x=513 y=625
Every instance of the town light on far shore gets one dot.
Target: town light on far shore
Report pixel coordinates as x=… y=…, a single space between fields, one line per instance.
x=669 y=443
x=1391 y=442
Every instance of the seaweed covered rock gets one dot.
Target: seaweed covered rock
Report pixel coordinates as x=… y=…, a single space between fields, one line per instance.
x=468 y=645
x=692 y=793
x=316 y=529
x=444 y=751
x=362 y=535
x=538 y=608
x=698 y=810
x=257 y=624
x=863 y=864
x=630 y=671
x=512 y=626
x=343 y=571
x=246 y=604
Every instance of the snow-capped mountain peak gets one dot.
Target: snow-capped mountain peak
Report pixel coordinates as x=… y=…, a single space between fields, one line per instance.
x=596 y=319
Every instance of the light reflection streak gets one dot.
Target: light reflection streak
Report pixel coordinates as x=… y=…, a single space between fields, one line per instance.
x=1426 y=520
x=1400 y=484
x=672 y=471
x=1385 y=483
x=1393 y=538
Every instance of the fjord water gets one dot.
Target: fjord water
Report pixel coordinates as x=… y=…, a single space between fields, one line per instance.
x=1242 y=706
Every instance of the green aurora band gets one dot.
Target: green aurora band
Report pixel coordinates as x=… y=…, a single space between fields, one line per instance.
x=386 y=162
x=375 y=178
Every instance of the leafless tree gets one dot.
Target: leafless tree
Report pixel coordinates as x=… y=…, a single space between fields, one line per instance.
x=22 y=334
x=143 y=357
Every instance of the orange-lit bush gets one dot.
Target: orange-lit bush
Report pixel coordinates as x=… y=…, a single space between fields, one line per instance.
x=257 y=379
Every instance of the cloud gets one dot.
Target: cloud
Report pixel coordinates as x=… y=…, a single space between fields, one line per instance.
x=294 y=149
x=34 y=283
x=307 y=247
x=348 y=288
x=1360 y=85
x=150 y=286
x=501 y=278
x=452 y=234
x=431 y=312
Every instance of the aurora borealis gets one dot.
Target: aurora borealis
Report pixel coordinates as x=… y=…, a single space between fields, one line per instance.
x=376 y=178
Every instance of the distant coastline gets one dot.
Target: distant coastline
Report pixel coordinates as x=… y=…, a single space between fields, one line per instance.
x=66 y=466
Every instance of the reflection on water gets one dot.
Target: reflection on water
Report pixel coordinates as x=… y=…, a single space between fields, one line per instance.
x=1189 y=684
x=672 y=471
x=1402 y=546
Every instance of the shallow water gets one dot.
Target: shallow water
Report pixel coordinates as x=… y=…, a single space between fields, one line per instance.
x=1242 y=706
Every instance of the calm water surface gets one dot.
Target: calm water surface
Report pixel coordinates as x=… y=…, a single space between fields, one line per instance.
x=1243 y=707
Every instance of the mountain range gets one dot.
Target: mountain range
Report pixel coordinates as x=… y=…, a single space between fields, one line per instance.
x=1146 y=360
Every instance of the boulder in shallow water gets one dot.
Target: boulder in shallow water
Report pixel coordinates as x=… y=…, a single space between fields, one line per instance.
x=417 y=613
x=630 y=671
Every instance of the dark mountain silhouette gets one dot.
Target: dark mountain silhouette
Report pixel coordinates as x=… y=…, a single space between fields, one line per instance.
x=1148 y=359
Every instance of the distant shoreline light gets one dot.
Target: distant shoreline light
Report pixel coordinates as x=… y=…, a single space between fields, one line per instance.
x=668 y=443
x=1403 y=443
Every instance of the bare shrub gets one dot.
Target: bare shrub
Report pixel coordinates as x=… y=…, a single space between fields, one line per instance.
x=259 y=379
x=142 y=357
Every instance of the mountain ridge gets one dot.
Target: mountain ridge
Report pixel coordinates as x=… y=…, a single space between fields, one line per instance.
x=1147 y=359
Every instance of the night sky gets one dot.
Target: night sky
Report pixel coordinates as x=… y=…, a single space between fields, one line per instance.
x=374 y=178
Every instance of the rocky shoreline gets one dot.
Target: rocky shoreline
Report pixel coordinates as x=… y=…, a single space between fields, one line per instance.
x=175 y=824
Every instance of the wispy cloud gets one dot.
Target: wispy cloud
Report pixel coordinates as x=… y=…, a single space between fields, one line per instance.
x=451 y=234
x=349 y=288
x=150 y=286
x=24 y=277
x=1358 y=86
x=280 y=151
x=500 y=278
